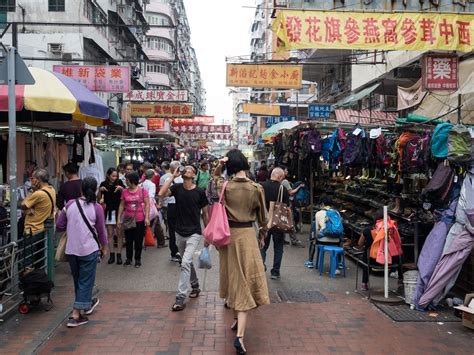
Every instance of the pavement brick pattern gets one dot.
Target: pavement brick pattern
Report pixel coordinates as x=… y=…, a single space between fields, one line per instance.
x=141 y=322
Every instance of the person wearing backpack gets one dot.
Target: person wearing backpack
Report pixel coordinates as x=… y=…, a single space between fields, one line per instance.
x=328 y=229
x=86 y=245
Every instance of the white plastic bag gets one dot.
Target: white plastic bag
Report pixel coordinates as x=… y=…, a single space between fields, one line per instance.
x=205 y=259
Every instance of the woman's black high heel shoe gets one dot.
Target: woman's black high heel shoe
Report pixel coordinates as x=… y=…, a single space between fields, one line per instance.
x=238 y=346
x=234 y=325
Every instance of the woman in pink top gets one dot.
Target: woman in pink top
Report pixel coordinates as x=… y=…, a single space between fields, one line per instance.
x=83 y=219
x=135 y=203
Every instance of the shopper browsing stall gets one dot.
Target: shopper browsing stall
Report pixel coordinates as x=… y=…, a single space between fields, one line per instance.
x=71 y=189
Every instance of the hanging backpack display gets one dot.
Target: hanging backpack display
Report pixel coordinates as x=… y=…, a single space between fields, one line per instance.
x=334 y=227
x=440 y=185
x=326 y=144
x=439 y=140
x=314 y=142
x=412 y=157
x=353 y=148
x=302 y=196
x=459 y=144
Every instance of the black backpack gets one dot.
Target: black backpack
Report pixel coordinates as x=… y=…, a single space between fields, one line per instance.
x=36 y=282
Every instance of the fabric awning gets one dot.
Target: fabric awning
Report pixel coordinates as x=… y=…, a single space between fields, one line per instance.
x=440 y=102
x=355 y=97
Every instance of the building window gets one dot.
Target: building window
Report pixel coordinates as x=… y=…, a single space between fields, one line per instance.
x=158 y=43
x=158 y=19
x=57 y=5
x=8 y=5
x=157 y=68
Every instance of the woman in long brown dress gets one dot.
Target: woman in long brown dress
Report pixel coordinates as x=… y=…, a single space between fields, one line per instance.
x=243 y=282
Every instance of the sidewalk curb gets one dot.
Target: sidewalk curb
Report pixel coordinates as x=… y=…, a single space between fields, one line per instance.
x=36 y=344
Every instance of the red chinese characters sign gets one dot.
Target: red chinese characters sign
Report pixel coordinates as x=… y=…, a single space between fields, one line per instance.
x=98 y=78
x=374 y=30
x=264 y=76
x=196 y=120
x=165 y=110
x=157 y=95
x=155 y=124
x=440 y=72
x=207 y=129
x=206 y=136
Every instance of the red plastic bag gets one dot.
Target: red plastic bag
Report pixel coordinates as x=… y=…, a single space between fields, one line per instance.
x=149 y=238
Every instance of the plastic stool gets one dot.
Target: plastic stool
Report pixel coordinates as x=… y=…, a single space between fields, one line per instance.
x=335 y=252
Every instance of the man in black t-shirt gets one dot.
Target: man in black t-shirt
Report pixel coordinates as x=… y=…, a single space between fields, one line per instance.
x=272 y=188
x=190 y=202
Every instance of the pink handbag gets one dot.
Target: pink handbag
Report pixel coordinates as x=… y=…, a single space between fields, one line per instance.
x=217 y=232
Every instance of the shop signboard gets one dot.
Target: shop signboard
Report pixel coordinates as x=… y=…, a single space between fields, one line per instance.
x=100 y=78
x=208 y=129
x=271 y=120
x=162 y=110
x=157 y=95
x=440 y=72
x=264 y=76
x=194 y=121
x=415 y=31
x=319 y=111
x=155 y=124
x=206 y=136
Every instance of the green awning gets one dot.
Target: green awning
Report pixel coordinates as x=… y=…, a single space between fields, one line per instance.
x=114 y=117
x=355 y=97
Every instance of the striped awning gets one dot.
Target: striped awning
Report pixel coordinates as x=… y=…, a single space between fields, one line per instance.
x=365 y=116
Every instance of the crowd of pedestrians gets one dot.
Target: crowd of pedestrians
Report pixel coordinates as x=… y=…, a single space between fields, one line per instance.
x=172 y=199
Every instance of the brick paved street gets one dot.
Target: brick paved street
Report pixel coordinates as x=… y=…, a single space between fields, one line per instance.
x=140 y=321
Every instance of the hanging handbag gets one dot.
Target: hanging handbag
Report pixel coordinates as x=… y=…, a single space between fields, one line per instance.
x=217 y=232
x=61 y=248
x=281 y=216
x=129 y=222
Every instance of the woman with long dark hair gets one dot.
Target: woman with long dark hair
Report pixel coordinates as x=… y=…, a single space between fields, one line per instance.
x=135 y=205
x=83 y=219
x=243 y=283
x=110 y=191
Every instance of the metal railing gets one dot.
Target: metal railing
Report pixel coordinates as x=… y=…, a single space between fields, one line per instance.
x=15 y=257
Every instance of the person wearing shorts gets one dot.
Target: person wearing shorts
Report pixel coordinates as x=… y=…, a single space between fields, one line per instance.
x=110 y=193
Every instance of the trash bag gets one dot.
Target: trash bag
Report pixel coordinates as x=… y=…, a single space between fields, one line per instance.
x=205 y=259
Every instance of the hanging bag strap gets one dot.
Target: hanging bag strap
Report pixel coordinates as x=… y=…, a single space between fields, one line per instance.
x=221 y=197
x=139 y=202
x=86 y=221
x=280 y=194
x=50 y=198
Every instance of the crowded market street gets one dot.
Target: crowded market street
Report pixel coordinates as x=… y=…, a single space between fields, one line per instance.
x=134 y=317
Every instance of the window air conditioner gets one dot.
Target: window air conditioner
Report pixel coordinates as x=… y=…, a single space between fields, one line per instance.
x=55 y=48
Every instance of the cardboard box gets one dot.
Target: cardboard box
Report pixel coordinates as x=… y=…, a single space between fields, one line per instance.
x=468 y=311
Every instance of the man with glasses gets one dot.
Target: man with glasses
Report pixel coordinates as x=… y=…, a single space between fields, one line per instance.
x=190 y=203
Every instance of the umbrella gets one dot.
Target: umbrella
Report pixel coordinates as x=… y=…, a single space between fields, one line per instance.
x=55 y=97
x=448 y=266
x=273 y=130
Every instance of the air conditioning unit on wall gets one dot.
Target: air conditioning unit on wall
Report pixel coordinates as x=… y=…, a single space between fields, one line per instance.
x=55 y=48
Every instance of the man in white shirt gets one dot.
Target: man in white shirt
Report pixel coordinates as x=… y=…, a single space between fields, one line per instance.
x=148 y=183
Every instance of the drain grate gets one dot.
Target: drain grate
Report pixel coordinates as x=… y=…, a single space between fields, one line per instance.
x=403 y=313
x=301 y=296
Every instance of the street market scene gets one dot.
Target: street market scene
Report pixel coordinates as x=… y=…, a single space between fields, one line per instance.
x=251 y=176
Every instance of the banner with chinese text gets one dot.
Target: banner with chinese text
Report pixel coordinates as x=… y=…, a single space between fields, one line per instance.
x=206 y=136
x=202 y=129
x=162 y=110
x=102 y=78
x=157 y=95
x=264 y=76
x=155 y=124
x=420 y=31
x=440 y=72
x=262 y=109
x=194 y=121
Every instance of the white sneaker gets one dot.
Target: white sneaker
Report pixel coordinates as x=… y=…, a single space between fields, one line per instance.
x=394 y=275
x=338 y=272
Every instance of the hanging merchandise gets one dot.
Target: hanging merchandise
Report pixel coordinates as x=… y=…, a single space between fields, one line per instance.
x=377 y=250
x=459 y=144
x=413 y=154
x=354 y=147
x=440 y=185
x=439 y=140
x=78 y=147
x=314 y=143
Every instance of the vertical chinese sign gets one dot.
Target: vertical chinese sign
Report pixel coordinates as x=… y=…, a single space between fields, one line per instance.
x=422 y=31
x=264 y=76
x=440 y=72
x=98 y=77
